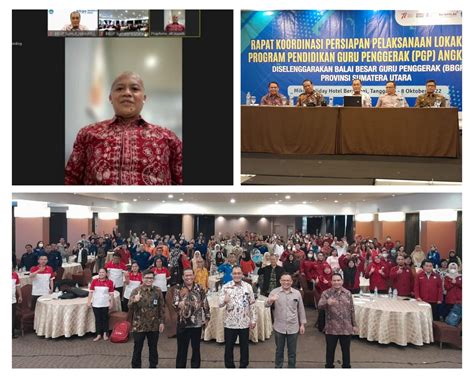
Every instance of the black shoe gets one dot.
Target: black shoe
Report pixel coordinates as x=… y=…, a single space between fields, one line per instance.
x=14 y=336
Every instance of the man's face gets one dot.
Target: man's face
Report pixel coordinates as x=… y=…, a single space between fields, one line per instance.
x=320 y=257
x=175 y=18
x=29 y=249
x=43 y=260
x=400 y=260
x=430 y=87
x=188 y=277
x=356 y=86
x=273 y=260
x=428 y=267
x=48 y=248
x=390 y=88
x=127 y=96
x=286 y=281
x=62 y=241
x=336 y=282
x=273 y=89
x=237 y=275
x=148 y=280
x=308 y=87
x=116 y=259
x=75 y=19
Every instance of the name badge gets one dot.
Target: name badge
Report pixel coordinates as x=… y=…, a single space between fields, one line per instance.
x=155 y=302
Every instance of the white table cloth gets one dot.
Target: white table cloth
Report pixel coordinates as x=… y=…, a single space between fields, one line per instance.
x=396 y=321
x=66 y=317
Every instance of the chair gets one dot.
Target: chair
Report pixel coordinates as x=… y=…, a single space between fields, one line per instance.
x=444 y=333
x=83 y=278
x=24 y=314
x=117 y=317
x=307 y=294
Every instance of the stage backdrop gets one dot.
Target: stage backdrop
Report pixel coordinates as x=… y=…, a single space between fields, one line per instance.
x=333 y=47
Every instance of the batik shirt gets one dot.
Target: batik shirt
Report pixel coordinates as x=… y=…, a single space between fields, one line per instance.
x=340 y=317
x=240 y=311
x=196 y=307
x=114 y=153
x=148 y=312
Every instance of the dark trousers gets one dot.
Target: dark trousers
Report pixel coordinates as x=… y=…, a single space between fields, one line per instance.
x=13 y=318
x=331 y=343
x=125 y=304
x=184 y=336
x=101 y=315
x=139 y=340
x=120 y=290
x=34 y=299
x=435 y=310
x=100 y=262
x=291 y=340
x=230 y=337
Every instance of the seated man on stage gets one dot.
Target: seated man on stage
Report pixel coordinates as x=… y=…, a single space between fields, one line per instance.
x=310 y=97
x=356 y=87
x=430 y=99
x=391 y=99
x=273 y=97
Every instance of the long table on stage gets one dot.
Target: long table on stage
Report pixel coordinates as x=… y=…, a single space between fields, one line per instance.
x=353 y=131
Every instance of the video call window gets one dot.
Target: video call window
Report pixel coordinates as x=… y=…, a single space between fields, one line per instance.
x=124 y=23
x=72 y=23
x=175 y=22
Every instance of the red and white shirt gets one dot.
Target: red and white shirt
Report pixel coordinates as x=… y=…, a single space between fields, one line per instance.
x=134 y=281
x=161 y=276
x=115 y=272
x=41 y=282
x=15 y=284
x=101 y=290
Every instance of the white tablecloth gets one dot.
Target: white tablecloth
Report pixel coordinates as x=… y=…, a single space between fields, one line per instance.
x=394 y=320
x=70 y=269
x=66 y=317
x=215 y=327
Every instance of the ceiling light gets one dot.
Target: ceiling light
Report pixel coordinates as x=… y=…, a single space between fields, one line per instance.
x=170 y=196
x=304 y=202
x=336 y=201
x=135 y=200
x=181 y=200
x=287 y=197
x=232 y=200
x=163 y=201
x=276 y=202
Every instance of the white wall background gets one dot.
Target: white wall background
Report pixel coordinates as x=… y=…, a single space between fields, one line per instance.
x=93 y=63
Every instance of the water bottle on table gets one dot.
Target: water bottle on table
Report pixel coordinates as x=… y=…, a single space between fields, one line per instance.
x=376 y=292
x=331 y=101
x=247 y=98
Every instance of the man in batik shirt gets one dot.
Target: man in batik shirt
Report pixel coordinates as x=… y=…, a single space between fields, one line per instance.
x=273 y=97
x=310 y=97
x=239 y=317
x=126 y=150
x=191 y=304
x=175 y=26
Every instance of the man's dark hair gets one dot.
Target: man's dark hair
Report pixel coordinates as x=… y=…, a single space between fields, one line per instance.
x=304 y=81
x=336 y=274
x=148 y=271
x=286 y=274
x=117 y=255
x=28 y=245
x=190 y=269
x=431 y=81
x=391 y=81
x=273 y=82
x=426 y=261
x=236 y=267
x=359 y=80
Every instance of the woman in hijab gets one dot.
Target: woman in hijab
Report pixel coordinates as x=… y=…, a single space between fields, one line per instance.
x=454 y=258
x=351 y=276
x=417 y=256
x=323 y=282
x=266 y=259
x=197 y=256
x=308 y=270
x=219 y=258
x=452 y=285
x=246 y=263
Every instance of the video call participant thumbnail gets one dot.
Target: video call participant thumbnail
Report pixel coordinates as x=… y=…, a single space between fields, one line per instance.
x=125 y=150
x=75 y=24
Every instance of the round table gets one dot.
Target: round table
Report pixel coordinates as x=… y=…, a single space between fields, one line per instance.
x=215 y=327
x=66 y=317
x=398 y=321
x=70 y=269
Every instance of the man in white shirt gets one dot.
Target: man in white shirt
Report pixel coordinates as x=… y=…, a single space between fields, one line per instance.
x=357 y=91
x=391 y=99
x=239 y=316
